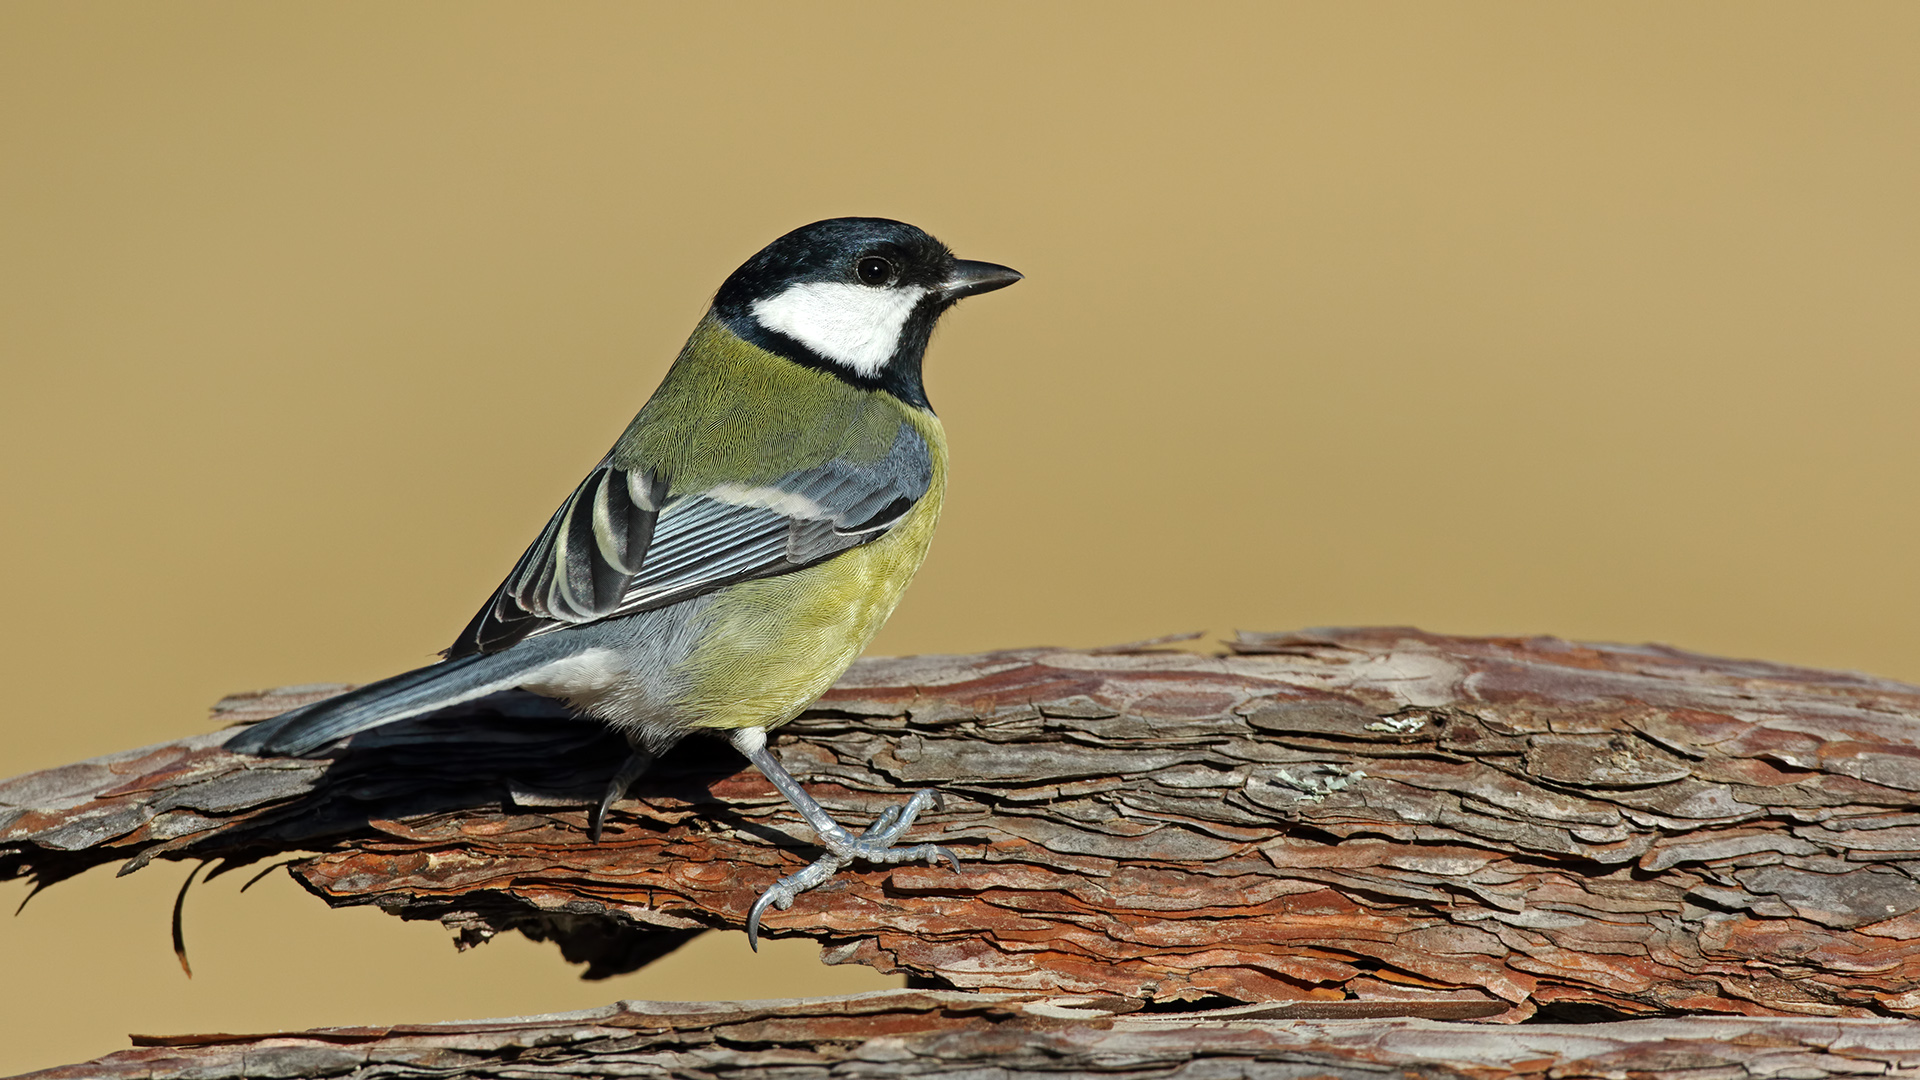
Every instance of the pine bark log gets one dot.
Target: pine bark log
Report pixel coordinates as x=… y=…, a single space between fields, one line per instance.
x=1379 y=820
x=905 y=1034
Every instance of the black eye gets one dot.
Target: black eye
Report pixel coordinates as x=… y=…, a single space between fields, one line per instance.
x=874 y=270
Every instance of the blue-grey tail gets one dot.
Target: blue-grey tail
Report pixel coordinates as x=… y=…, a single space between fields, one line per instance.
x=306 y=729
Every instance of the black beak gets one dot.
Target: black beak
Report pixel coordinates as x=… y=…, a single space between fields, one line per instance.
x=971 y=278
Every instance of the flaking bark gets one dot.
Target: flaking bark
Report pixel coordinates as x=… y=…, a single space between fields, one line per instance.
x=1374 y=819
x=901 y=1034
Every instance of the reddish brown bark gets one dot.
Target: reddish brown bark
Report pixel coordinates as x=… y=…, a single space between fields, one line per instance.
x=904 y=1034
x=1443 y=826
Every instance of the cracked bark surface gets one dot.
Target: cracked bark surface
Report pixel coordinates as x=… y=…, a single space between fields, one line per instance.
x=916 y=1033
x=1375 y=819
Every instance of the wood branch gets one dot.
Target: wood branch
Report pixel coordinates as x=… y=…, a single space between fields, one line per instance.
x=917 y=1033
x=1441 y=827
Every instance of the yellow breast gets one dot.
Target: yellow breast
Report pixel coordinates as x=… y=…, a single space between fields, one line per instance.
x=773 y=646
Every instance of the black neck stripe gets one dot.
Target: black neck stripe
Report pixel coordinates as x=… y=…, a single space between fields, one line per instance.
x=899 y=376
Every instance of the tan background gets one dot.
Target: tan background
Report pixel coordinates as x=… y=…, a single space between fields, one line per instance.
x=1503 y=318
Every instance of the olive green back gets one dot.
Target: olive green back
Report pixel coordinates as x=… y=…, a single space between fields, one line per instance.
x=729 y=411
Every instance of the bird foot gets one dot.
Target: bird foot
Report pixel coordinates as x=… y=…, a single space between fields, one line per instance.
x=843 y=848
x=632 y=769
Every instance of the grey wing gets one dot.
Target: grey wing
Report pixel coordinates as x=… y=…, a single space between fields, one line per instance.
x=619 y=545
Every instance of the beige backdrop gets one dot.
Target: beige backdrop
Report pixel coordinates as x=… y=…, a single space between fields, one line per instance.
x=1490 y=318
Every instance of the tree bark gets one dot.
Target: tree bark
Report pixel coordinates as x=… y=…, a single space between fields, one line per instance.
x=1375 y=819
x=909 y=1033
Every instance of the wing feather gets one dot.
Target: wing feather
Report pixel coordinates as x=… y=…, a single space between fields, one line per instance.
x=622 y=543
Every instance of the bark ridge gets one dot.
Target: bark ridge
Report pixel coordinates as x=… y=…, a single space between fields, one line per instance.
x=1441 y=826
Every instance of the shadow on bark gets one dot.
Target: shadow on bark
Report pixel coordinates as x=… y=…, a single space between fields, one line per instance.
x=1366 y=823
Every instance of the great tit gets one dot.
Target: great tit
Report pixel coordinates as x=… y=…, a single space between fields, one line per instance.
x=741 y=543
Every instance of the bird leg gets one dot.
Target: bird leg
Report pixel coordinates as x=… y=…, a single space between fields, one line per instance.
x=875 y=845
x=637 y=763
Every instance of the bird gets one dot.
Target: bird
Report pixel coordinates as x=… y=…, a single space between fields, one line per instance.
x=741 y=543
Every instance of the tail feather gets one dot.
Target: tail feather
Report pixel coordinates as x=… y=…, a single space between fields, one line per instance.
x=422 y=690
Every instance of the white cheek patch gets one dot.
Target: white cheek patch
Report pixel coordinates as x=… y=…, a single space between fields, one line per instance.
x=853 y=325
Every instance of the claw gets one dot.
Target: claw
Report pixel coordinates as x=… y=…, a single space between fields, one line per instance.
x=759 y=907
x=942 y=853
x=782 y=892
x=630 y=770
x=874 y=845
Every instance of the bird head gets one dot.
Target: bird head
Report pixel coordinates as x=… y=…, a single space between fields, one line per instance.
x=857 y=297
